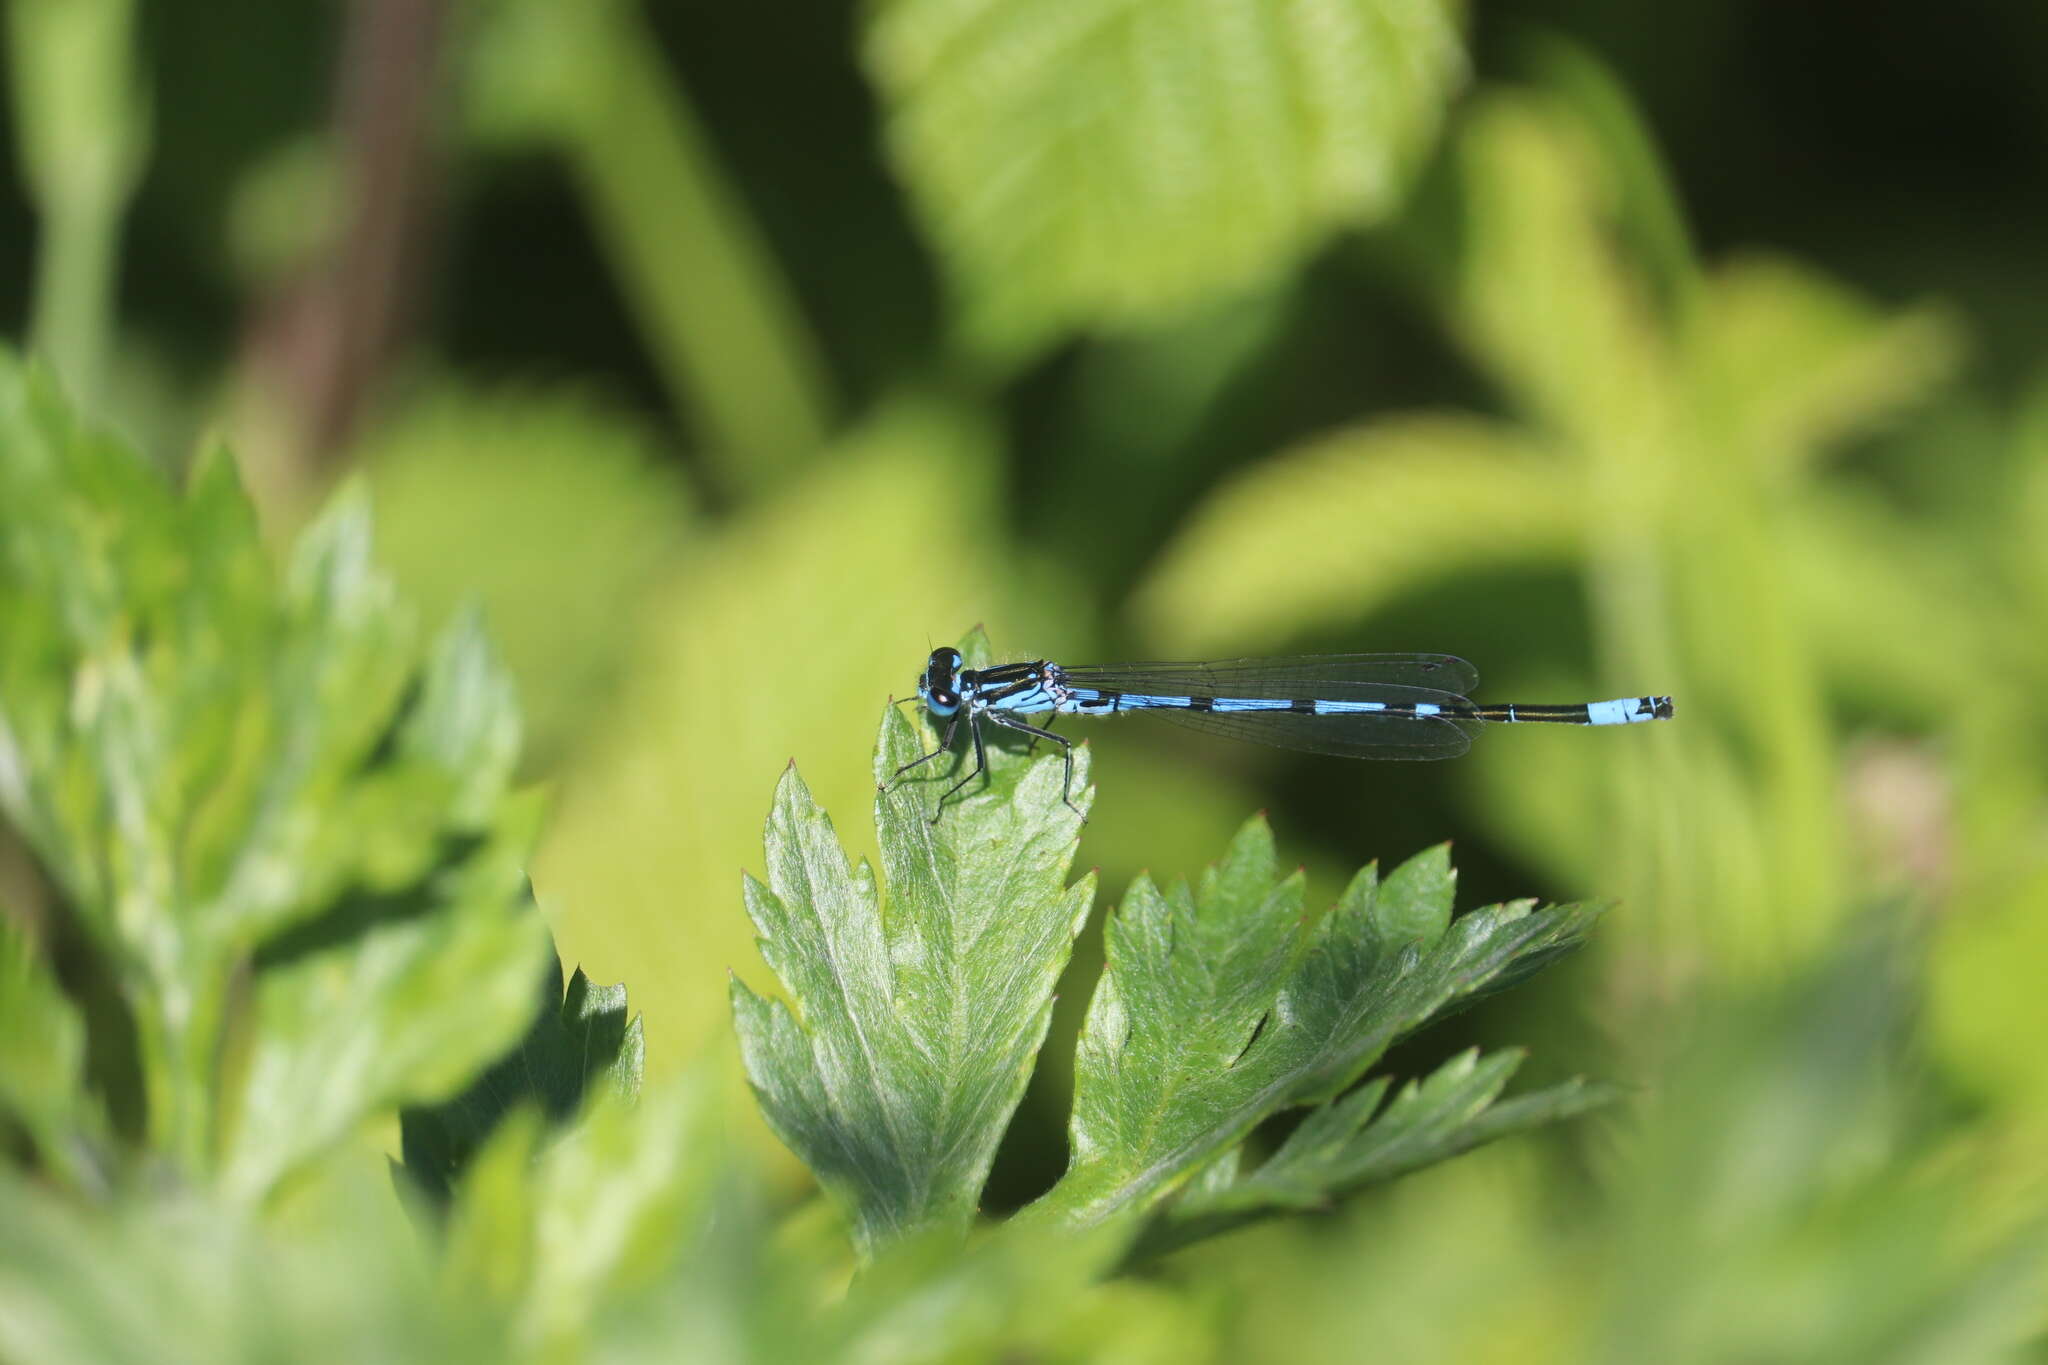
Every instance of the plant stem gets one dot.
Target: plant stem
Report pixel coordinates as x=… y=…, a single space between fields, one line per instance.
x=178 y=1028
x=83 y=133
x=717 y=314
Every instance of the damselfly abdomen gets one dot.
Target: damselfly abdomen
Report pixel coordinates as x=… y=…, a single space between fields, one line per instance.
x=1402 y=706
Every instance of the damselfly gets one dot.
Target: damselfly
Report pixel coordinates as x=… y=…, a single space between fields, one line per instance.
x=1351 y=705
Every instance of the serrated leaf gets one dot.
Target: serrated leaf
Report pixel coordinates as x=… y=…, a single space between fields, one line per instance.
x=580 y=1043
x=648 y=829
x=1411 y=906
x=914 y=1025
x=1352 y=1142
x=223 y=768
x=1083 y=165
x=1221 y=1006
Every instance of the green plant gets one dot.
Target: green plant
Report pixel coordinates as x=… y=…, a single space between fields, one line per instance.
x=282 y=861
x=919 y=1005
x=281 y=848
x=1024 y=309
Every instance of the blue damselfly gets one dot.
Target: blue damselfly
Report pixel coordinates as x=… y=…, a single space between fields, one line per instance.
x=1401 y=706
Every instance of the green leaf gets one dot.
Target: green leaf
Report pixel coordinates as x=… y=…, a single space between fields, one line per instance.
x=1082 y=165
x=406 y=1008
x=536 y=502
x=259 y=800
x=580 y=1041
x=1278 y=550
x=42 y=1048
x=1799 y=362
x=1223 y=1004
x=1352 y=1142
x=913 y=1029
x=1005 y=1296
x=625 y=1233
x=618 y=1198
x=176 y=1276
x=1411 y=906
x=644 y=840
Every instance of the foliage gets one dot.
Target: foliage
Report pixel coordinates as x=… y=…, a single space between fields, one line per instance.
x=1053 y=317
x=556 y=536
x=84 y=133
x=1084 y=166
x=919 y=1027
x=1792 y=1160
x=1667 y=416
x=920 y=1004
x=258 y=805
x=276 y=831
x=581 y=1044
x=715 y=313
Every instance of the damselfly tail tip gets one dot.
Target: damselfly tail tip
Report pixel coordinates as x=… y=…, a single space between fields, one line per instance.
x=1660 y=708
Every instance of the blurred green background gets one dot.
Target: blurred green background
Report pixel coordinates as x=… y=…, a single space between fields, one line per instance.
x=735 y=355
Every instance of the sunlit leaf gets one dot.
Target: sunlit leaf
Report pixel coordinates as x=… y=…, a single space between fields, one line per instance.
x=752 y=653
x=1082 y=165
x=916 y=1019
x=253 y=788
x=1321 y=536
x=551 y=510
x=1223 y=1004
x=401 y=1003
x=626 y=1195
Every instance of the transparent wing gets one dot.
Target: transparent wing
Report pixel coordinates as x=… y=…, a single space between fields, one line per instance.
x=1395 y=679
x=1336 y=677
x=1346 y=736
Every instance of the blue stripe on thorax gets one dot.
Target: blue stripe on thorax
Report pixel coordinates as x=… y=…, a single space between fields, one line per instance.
x=1027 y=702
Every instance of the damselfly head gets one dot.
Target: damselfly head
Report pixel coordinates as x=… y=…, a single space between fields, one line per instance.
x=939 y=684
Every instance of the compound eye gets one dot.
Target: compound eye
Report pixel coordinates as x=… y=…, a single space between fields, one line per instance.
x=943 y=701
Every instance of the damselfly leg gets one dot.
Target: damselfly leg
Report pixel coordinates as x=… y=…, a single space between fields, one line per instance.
x=945 y=747
x=1066 y=752
x=980 y=763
